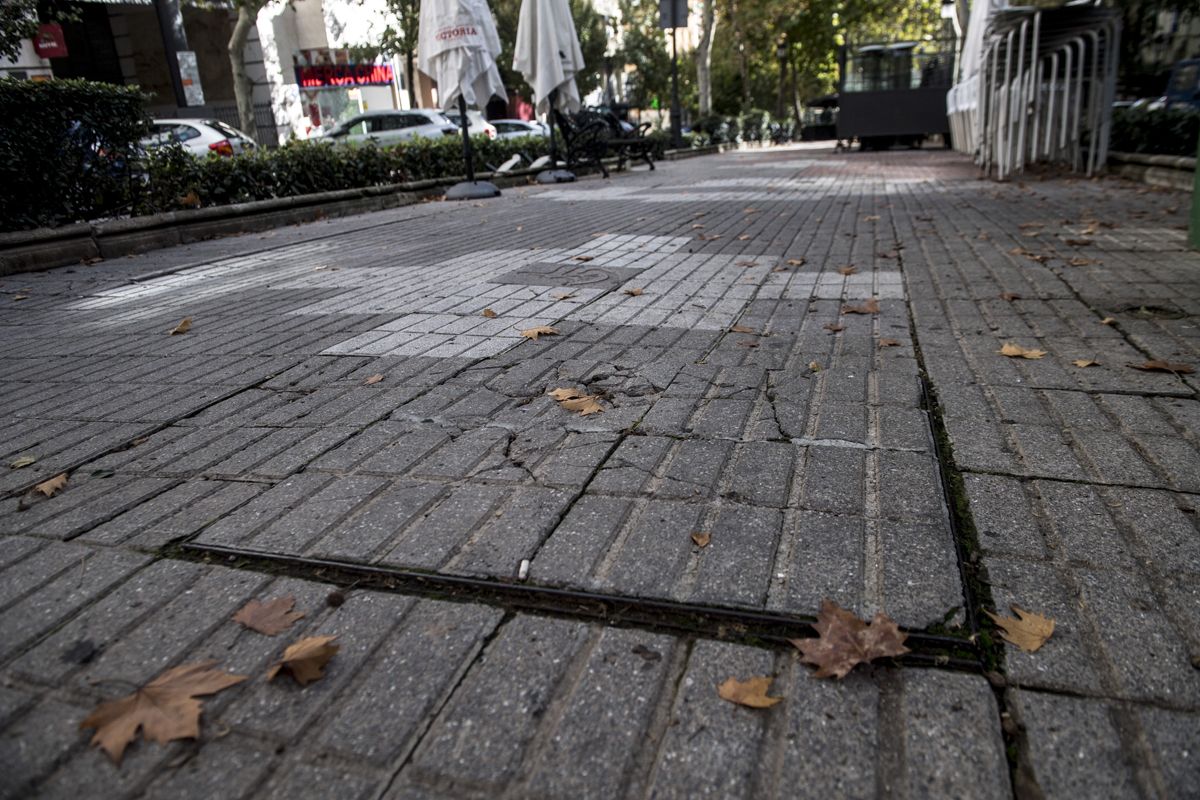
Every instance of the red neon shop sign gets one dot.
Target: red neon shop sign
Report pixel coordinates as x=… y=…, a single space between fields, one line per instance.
x=325 y=75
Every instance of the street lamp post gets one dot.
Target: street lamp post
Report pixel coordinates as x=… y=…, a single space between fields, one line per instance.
x=781 y=54
x=676 y=111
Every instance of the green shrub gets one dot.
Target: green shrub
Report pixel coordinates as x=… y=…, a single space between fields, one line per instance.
x=306 y=167
x=67 y=151
x=1171 y=132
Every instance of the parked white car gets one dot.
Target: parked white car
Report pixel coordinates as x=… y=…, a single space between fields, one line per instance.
x=515 y=128
x=476 y=124
x=391 y=127
x=200 y=137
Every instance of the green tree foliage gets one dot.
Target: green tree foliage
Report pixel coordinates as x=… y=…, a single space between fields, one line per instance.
x=18 y=20
x=402 y=41
x=645 y=47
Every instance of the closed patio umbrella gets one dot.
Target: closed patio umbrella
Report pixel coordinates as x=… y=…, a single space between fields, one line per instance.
x=547 y=53
x=457 y=46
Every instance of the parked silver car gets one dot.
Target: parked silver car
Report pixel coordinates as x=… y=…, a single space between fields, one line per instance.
x=476 y=124
x=390 y=127
x=200 y=137
x=515 y=128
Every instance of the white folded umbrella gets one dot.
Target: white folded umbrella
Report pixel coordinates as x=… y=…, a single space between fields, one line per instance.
x=547 y=53
x=457 y=47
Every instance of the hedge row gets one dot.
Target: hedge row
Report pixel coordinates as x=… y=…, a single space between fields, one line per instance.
x=67 y=150
x=176 y=179
x=1171 y=132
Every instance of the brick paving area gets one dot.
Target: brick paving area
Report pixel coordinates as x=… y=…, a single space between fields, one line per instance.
x=889 y=460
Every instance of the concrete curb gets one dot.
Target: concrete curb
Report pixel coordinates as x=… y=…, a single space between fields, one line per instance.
x=46 y=248
x=1175 y=172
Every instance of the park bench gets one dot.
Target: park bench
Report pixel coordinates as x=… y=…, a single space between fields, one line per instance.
x=591 y=136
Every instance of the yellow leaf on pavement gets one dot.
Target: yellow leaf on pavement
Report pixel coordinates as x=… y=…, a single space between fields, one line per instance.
x=1028 y=630
x=306 y=659
x=52 y=486
x=540 y=330
x=1085 y=362
x=702 y=539
x=487 y=312
x=751 y=693
x=182 y=327
x=376 y=378
x=1016 y=351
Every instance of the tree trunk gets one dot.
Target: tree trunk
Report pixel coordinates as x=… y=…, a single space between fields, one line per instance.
x=243 y=89
x=412 y=80
x=708 y=21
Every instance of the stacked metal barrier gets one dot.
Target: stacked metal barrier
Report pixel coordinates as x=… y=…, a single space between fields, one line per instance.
x=1043 y=89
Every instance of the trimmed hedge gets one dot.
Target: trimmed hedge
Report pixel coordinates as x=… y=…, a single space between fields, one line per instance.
x=1171 y=132
x=67 y=150
x=176 y=179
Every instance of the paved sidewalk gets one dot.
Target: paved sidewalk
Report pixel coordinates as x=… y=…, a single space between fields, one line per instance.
x=796 y=353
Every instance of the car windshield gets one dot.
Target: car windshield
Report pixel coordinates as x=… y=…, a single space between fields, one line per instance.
x=224 y=129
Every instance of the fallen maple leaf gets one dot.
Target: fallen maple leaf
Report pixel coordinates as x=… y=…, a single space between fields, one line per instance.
x=540 y=330
x=845 y=641
x=1016 y=351
x=850 y=270
x=17 y=297
x=1080 y=261
x=747 y=343
x=182 y=327
x=487 y=312
x=1108 y=320
x=581 y=404
x=634 y=292
x=1163 y=366
x=1010 y=296
x=272 y=617
x=164 y=709
x=796 y=262
x=584 y=258
x=22 y=462
x=52 y=486
x=1085 y=362
x=743 y=237
x=563 y=295
x=702 y=539
x=1028 y=631
x=306 y=659
x=1078 y=242
x=869 y=307
x=746 y=263
x=751 y=693
x=376 y=378
x=697 y=226
x=742 y=329
x=833 y=327
x=889 y=343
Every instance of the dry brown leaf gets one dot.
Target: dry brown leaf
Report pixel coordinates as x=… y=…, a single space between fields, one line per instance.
x=746 y=263
x=1108 y=320
x=1078 y=242
x=751 y=693
x=634 y=292
x=743 y=237
x=697 y=226
x=374 y=379
x=564 y=295
x=540 y=330
x=1085 y=362
x=702 y=539
x=814 y=366
x=833 y=327
x=487 y=312
x=871 y=217
x=848 y=270
x=22 y=462
x=52 y=486
x=581 y=404
x=272 y=617
x=845 y=641
x=742 y=329
x=306 y=659
x=795 y=262
x=1032 y=225
x=1009 y=296
x=750 y=210
x=1016 y=351
x=17 y=297
x=1028 y=631
x=584 y=258
x=710 y=237
x=1163 y=366
x=1080 y=261
x=889 y=343
x=869 y=307
x=748 y=343
x=182 y=327
x=164 y=709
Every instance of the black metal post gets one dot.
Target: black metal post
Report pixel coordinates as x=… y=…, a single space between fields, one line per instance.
x=550 y=122
x=468 y=153
x=174 y=39
x=676 y=112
